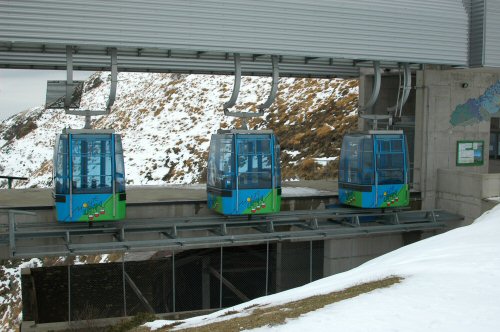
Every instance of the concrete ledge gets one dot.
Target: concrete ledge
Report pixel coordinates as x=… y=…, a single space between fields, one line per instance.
x=476 y=185
x=465 y=193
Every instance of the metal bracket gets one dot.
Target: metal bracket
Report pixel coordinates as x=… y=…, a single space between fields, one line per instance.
x=236 y=90
x=270 y=226
x=120 y=235
x=430 y=215
x=313 y=223
x=376 y=87
x=223 y=229
x=374 y=118
x=173 y=233
x=13 y=228
x=398 y=108
x=355 y=221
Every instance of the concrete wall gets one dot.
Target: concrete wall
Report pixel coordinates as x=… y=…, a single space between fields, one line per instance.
x=344 y=254
x=438 y=93
x=341 y=255
x=466 y=193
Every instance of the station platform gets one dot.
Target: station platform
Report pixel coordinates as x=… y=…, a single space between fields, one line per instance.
x=42 y=197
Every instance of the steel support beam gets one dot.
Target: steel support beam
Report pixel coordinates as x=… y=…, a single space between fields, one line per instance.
x=229 y=285
x=138 y=292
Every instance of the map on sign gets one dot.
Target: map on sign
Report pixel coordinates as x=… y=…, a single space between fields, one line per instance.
x=476 y=110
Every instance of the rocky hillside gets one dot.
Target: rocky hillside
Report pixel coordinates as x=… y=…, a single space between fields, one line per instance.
x=166 y=121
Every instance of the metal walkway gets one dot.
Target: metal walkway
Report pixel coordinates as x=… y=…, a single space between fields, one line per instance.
x=32 y=239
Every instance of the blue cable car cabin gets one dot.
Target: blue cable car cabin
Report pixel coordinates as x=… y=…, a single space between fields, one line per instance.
x=243 y=173
x=89 y=176
x=373 y=170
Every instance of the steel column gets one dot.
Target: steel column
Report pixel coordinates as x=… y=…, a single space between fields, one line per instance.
x=220 y=279
x=69 y=290
x=173 y=281
x=267 y=266
x=124 y=288
x=310 y=261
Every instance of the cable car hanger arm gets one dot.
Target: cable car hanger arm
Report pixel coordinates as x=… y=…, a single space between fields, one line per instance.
x=398 y=108
x=376 y=88
x=236 y=90
x=69 y=83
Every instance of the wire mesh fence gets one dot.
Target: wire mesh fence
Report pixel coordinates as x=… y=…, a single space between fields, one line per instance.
x=169 y=282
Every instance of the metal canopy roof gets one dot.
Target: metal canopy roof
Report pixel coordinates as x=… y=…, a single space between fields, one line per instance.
x=324 y=38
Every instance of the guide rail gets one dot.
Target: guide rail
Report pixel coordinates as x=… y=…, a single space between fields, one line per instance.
x=31 y=239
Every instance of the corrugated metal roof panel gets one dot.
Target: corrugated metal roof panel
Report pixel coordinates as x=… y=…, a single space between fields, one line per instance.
x=477 y=33
x=425 y=31
x=492 y=34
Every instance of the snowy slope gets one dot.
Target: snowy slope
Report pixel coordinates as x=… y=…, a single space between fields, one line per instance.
x=166 y=121
x=451 y=283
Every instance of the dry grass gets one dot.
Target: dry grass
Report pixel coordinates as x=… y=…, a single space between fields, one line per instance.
x=277 y=315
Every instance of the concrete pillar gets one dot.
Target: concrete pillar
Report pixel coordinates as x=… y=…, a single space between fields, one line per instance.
x=292 y=265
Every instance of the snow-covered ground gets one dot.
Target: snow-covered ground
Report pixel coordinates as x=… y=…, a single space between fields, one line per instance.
x=451 y=283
